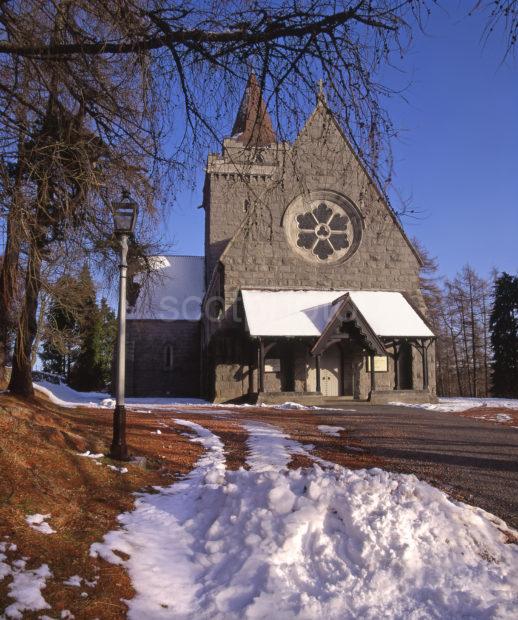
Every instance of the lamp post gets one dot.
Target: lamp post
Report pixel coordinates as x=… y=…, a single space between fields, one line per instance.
x=124 y=217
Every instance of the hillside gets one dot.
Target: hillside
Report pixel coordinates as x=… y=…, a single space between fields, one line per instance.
x=43 y=473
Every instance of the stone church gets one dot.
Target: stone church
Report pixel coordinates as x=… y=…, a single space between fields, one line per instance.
x=309 y=287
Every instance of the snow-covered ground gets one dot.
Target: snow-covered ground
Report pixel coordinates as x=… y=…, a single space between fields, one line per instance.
x=323 y=541
x=463 y=404
x=62 y=394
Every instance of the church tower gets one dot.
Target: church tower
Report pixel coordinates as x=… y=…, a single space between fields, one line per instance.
x=239 y=174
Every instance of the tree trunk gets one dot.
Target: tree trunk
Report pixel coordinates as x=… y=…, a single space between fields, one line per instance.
x=473 y=336
x=8 y=286
x=39 y=329
x=21 y=376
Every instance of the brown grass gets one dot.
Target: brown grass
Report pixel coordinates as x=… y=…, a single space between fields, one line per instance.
x=42 y=473
x=489 y=414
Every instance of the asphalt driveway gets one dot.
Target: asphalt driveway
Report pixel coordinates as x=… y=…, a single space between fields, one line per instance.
x=473 y=460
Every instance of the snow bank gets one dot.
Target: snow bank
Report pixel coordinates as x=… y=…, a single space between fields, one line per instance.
x=462 y=404
x=63 y=395
x=309 y=543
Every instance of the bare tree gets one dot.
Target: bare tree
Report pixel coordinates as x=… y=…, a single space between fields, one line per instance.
x=501 y=13
x=96 y=96
x=467 y=299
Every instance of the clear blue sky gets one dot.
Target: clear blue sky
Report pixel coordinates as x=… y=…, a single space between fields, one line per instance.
x=457 y=158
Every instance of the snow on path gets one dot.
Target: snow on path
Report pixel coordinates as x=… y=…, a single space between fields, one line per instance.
x=270 y=449
x=163 y=565
x=309 y=543
x=332 y=431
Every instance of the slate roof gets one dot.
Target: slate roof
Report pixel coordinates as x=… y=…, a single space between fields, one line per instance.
x=174 y=291
x=253 y=125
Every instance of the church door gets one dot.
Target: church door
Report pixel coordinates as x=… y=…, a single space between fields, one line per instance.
x=330 y=372
x=405 y=366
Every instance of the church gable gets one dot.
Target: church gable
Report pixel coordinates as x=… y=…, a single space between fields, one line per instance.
x=322 y=224
x=322 y=156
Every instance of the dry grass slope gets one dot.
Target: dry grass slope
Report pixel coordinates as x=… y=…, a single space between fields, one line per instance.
x=42 y=472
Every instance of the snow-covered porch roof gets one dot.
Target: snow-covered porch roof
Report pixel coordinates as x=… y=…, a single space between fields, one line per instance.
x=308 y=312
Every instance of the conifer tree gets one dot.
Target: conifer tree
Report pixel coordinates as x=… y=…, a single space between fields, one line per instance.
x=97 y=330
x=504 y=336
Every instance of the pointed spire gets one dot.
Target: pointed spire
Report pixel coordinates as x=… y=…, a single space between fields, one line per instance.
x=253 y=125
x=321 y=95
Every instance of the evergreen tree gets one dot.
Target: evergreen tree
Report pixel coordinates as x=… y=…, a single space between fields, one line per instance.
x=108 y=322
x=92 y=368
x=504 y=336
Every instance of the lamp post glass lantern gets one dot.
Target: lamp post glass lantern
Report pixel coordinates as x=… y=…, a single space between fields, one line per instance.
x=124 y=219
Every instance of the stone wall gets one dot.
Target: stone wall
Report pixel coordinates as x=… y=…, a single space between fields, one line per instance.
x=146 y=372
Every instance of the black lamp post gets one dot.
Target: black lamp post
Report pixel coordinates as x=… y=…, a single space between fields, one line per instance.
x=124 y=217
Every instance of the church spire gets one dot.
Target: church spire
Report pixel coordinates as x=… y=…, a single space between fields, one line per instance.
x=253 y=125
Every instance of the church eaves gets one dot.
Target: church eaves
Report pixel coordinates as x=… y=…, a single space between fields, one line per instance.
x=253 y=125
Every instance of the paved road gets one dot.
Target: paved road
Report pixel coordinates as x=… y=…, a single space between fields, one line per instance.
x=473 y=460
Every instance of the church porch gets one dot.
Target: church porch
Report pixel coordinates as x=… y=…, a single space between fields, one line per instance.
x=342 y=357
x=346 y=370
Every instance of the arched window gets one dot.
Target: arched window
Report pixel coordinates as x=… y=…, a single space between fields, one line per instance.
x=168 y=357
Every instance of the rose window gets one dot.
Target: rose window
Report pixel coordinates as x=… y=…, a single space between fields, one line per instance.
x=323 y=227
x=322 y=231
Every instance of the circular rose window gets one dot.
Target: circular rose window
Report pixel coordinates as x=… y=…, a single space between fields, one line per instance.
x=323 y=227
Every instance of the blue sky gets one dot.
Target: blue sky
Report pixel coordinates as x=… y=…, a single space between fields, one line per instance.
x=457 y=158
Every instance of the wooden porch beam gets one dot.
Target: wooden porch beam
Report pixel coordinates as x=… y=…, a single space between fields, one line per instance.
x=396 y=368
x=425 y=365
x=317 y=368
x=261 y=365
x=373 y=374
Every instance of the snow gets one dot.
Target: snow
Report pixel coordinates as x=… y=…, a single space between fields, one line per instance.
x=306 y=313
x=268 y=447
x=63 y=395
x=38 y=523
x=389 y=314
x=26 y=585
x=67 y=397
x=74 y=581
x=175 y=292
x=271 y=450
x=91 y=455
x=308 y=543
x=333 y=431
x=120 y=470
x=450 y=405
x=289 y=405
x=288 y=313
